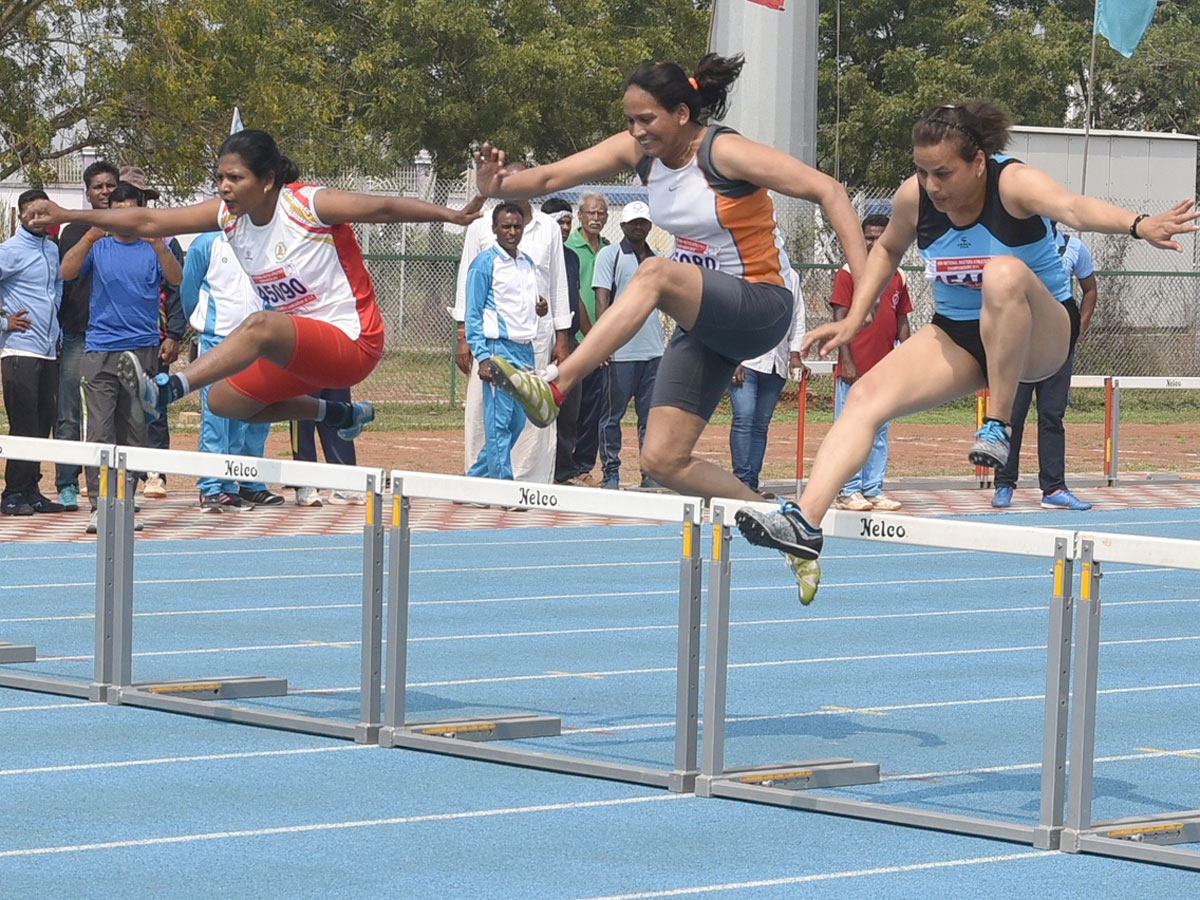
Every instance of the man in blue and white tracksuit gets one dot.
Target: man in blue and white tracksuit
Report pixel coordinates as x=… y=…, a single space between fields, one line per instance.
x=502 y=309
x=217 y=295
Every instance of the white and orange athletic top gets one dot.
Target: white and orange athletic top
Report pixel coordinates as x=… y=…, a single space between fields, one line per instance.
x=718 y=223
x=303 y=267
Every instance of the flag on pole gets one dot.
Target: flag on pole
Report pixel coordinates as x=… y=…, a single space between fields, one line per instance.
x=236 y=125
x=771 y=4
x=1123 y=22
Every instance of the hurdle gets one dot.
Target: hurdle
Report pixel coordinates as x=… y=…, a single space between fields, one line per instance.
x=1146 y=838
x=789 y=784
x=195 y=696
x=110 y=545
x=474 y=738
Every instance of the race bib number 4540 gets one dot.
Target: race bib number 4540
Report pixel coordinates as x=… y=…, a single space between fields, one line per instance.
x=696 y=252
x=282 y=292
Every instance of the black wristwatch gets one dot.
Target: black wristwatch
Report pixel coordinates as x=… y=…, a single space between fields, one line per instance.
x=1133 y=227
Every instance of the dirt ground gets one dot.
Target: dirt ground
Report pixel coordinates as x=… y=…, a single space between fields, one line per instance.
x=914 y=450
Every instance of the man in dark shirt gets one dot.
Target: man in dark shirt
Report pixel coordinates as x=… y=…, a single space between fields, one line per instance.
x=99 y=180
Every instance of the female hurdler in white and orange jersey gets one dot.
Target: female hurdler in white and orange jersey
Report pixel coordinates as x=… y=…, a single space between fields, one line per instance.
x=726 y=283
x=319 y=327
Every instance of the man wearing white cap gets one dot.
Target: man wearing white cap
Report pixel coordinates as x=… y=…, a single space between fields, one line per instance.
x=633 y=367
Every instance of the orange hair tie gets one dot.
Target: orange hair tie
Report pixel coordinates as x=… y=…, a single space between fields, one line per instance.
x=695 y=87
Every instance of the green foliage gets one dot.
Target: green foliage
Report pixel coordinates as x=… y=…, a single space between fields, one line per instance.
x=899 y=59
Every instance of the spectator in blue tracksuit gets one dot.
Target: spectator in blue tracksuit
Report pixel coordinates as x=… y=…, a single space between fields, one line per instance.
x=30 y=294
x=217 y=295
x=502 y=308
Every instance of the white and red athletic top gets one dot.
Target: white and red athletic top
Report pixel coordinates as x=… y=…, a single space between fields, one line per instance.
x=718 y=223
x=303 y=267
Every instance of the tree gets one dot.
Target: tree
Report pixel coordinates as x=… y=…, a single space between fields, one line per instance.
x=900 y=59
x=45 y=52
x=534 y=78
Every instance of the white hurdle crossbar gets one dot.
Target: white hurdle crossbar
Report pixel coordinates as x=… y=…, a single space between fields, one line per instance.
x=194 y=696
x=785 y=784
x=109 y=544
x=1146 y=838
x=473 y=737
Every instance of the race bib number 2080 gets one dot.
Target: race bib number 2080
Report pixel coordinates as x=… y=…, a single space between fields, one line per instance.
x=695 y=252
x=280 y=291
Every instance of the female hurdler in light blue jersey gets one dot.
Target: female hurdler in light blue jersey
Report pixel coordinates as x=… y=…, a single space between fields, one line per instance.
x=1003 y=305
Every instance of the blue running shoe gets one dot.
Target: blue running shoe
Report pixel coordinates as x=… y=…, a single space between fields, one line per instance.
x=786 y=530
x=991 y=445
x=146 y=390
x=362 y=412
x=1002 y=499
x=1064 y=499
x=68 y=496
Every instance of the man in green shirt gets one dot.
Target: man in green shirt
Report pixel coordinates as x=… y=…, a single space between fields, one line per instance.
x=586 y=241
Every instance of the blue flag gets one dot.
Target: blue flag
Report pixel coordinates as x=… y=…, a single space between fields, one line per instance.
x=1123 y=22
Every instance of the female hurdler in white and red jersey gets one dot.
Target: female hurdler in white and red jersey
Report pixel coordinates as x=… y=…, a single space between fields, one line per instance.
x=319 y=327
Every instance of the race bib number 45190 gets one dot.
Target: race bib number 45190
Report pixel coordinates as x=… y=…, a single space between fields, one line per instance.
x=282 y=292
x=696 y=252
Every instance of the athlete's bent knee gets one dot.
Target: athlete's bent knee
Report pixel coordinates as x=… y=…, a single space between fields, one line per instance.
x=1005 y=274
x=661 y=464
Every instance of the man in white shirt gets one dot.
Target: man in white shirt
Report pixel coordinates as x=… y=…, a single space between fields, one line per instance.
x=533 y=455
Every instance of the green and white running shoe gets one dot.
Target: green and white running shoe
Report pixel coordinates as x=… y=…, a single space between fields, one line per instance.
x=529 y=389
x=808 y=576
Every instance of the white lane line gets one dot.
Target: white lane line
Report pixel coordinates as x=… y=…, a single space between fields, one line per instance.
x=18 y=709
x=1128 y=757
x=171 y=760
x=830 y=876
x=807 y=620
x=335 y=826
x=910 y=654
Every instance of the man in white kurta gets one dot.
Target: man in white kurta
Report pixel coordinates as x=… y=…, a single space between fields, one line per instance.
x=534 y=452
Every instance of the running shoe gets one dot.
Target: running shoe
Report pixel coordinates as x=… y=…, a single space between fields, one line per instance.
x=261 y=498
x=42 y=504
x=855 y=502
x=155 y=486
x=68 y=496
x=146 y=390
x=785 y=530
x=15 y=505
x=529 y=389
x=991 y=445
x=1002 y=499
x=308 y=496
x=362 y=412
x=884 y=503
x=1064 y=499
x=347 y=498
x=808 y=576
x=611 y=483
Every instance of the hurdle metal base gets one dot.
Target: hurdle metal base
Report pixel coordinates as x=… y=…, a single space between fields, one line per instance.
x=188 y=706
x=1146 y=839
x=225 y=688
x=860 y=809
x=464 y=745
x=793 y=776
x=497 y=728
x=17 y=653
x=61 y=686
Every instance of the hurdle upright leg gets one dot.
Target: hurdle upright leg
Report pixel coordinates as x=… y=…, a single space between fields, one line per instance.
x=1057 y=704
x=370 y=713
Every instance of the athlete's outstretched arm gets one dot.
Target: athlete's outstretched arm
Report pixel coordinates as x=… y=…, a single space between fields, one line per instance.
x=337 y=207
x=885 y=257
x=738 y=157
x=1027 y=191
x=137 y=220
x=614 y=154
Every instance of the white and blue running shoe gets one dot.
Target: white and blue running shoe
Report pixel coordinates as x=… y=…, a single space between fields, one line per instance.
x=146 y=390
x=362 y=412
